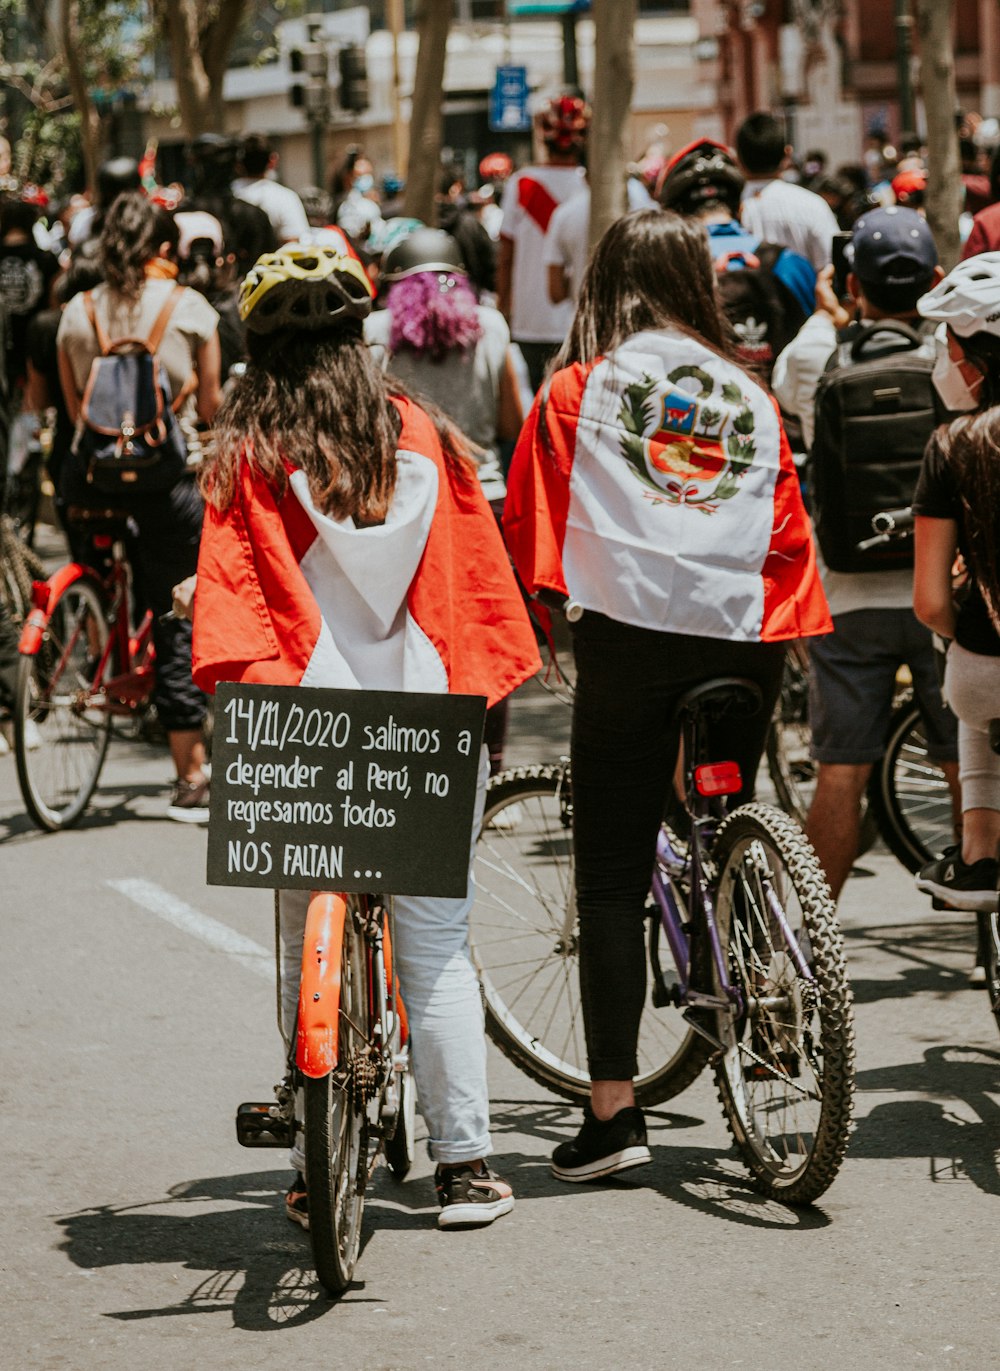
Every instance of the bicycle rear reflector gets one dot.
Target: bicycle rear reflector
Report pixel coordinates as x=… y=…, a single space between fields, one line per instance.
x=40 y=592
x=718 y=778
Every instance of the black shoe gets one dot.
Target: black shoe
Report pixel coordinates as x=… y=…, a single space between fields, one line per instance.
x=603 y=1147
x=297 y=1201
x=959 y=886
x=470 y=1197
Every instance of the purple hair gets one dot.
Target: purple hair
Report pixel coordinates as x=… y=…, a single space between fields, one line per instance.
x=427 y=318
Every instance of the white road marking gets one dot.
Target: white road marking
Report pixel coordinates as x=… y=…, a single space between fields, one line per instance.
x=153 y=898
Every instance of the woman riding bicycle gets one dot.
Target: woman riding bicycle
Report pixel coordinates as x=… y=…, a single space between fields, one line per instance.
x=957 y=505
x=652 y=485
x=347 y=543
x=137 y=249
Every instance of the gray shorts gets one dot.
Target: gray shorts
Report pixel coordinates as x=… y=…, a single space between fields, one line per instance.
x=852 y=680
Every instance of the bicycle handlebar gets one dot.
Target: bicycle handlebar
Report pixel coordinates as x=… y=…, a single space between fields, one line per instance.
x=889 y=524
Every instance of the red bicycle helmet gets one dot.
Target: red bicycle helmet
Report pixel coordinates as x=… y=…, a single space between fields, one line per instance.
x=564 y=122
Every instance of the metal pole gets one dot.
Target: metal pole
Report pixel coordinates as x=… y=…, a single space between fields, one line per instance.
x=904 y=53
x=571 y=67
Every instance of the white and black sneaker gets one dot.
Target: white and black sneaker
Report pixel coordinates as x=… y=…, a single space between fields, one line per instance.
x=603 y=1147
x=470 y=1196
x=961 y=886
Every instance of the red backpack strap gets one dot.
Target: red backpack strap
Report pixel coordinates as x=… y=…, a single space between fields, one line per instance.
x=103 y=341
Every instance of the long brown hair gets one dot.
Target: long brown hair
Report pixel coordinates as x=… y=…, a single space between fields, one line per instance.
x=652 y=269
x=133 y=232
x=318 y=401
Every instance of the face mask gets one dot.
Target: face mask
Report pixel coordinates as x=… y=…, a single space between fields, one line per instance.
x=952 y=386
x=364 y=184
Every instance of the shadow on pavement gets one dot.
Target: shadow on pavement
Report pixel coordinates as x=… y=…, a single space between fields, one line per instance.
x=258 y=1265
x=957 y=1148
x=100 y=814
x=924 y=954
x=697 y=1177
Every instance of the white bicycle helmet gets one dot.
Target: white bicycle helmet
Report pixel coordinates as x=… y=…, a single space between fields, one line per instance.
x=968 y=299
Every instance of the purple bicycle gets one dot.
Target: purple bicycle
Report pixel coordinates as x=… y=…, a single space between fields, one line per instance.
x=747 y=960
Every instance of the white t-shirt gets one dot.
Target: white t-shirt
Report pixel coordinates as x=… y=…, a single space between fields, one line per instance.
x=281 y=205
x=780 y=212
x=567 y=243
x=530 y=199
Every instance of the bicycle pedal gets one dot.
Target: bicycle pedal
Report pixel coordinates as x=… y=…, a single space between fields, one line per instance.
x=261 y=1125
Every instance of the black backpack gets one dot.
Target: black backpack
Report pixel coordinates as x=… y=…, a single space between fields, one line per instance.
x=876 y=407
x=763 y=311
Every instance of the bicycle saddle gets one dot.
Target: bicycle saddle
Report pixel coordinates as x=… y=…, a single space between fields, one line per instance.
x=732 y=695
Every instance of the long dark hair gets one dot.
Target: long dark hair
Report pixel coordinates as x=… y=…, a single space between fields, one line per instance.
x=971 y=447
x=652 y=269
x=133 y=233
x=319 y=401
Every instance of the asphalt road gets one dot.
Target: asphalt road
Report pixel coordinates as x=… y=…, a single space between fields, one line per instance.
x=138 y=1011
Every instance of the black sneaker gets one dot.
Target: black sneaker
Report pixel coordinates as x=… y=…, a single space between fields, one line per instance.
x=297 y=1201
x=959 y=886
x=469 y=1197
x=189 y=802
x=603 y=1147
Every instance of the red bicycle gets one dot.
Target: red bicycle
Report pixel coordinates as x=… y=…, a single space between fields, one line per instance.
x=82 y=664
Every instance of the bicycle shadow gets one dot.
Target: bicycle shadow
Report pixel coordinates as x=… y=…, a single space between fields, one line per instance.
x=956 y=1147
x=100 y=814
x=922 y=952
x=697 y=1177
x=258 y=1266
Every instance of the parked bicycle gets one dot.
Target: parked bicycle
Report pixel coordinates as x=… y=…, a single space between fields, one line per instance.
x=348 y=1092
x=82 y=664
x=747 y=962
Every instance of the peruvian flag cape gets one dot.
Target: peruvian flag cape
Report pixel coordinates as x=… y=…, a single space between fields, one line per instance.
x=656 y=486
x=457 y=617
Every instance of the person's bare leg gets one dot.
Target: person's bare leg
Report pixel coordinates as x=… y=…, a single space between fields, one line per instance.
x=834 y=823
x=608 y=1097
x=187 y=748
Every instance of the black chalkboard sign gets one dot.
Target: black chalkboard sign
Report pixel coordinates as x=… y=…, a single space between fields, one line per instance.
x=346 y=790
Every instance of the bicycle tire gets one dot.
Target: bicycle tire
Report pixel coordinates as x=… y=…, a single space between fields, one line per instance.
x=336 y=1135
x=524 y=895
x=989 y=951
x=786 y=1077
x=60 y=745
x=400 y=1149
x=21 y=566
x=909 y=794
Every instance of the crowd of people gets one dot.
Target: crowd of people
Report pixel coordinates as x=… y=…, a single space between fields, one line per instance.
x=650 y=423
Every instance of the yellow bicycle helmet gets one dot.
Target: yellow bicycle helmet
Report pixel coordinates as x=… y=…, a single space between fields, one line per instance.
x=304 y=285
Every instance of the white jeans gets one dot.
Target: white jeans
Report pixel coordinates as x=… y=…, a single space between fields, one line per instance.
x=972 y=689
x=441 y=992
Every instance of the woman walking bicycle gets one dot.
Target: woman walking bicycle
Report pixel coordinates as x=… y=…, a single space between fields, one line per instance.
x=653 y=486
x=347 y=543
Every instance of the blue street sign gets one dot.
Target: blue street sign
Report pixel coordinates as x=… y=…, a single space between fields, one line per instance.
x=509 y=101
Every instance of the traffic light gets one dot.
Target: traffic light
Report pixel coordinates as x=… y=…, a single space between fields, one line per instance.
x=353 y=78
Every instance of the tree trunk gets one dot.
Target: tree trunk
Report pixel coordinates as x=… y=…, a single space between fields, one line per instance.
x=90 y=123
x=433 y=24
x=614 y=78
x=944 y=170
x=199 y=51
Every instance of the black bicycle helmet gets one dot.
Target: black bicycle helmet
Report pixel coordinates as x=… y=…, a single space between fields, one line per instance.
x=304 y=287
x=425 y=249
x=700 y=173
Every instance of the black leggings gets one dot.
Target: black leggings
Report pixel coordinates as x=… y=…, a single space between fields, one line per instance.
x=623 y=754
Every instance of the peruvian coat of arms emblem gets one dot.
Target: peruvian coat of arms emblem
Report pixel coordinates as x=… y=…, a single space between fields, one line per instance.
x=688 y=443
